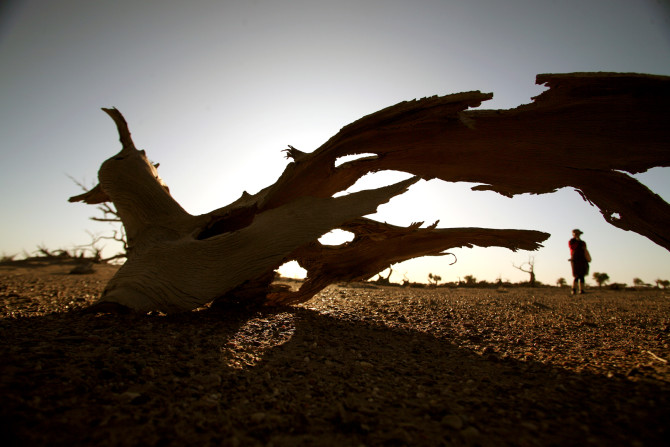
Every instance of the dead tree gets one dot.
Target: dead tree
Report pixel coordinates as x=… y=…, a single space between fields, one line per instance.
x=528 y=267
x=111 y=216
x=381 y=281
x=584 y=132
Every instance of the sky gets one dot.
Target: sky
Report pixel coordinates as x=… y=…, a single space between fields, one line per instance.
x=214 y=90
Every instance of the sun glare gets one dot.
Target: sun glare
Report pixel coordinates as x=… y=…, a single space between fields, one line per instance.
x=349 y=158
x=293 y=270
x=336 y=237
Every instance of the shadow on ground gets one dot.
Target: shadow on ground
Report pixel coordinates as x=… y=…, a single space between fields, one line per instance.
x=293 y=376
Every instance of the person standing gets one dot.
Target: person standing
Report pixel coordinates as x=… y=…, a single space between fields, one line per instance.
x=579 y=258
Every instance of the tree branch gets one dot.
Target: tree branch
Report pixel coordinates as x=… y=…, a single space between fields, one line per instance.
x=377 y=245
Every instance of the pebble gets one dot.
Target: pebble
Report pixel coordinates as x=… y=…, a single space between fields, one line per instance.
x=470 y=433
x=128 y=396
x=453 y=421
x=529 y=426
x=258 y=417
x=208 y=380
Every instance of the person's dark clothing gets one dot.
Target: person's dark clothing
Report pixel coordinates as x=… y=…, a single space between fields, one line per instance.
x=580 y=265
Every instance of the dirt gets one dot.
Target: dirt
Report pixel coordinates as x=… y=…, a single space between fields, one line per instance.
x=354 y=366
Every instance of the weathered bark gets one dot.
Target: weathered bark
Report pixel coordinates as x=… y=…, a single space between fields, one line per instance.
x=582 y=132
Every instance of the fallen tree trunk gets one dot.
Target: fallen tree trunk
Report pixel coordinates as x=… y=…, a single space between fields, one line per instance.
x=583 y=132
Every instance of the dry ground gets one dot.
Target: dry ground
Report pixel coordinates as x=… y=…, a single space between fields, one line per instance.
x=354 y=366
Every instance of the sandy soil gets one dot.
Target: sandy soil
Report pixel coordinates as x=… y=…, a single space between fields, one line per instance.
x=355 y=366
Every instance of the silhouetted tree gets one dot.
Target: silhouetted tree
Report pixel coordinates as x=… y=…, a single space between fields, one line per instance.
x=601 y=278
x=561 y=282
x=637 y=282
x=528 y=267
x=470 y=280
x=434 y=279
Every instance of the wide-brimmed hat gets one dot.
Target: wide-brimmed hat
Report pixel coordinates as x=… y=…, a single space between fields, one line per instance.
x=578 y=231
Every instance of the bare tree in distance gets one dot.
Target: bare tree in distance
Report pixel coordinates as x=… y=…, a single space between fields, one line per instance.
x=405 y=280
x=118 y=234
x=528 y=267
x=586 y=131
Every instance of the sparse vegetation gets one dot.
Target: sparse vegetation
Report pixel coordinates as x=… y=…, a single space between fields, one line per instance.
x=601 y=278
x=470 y=281
x=638 y=282
x=434 y=279
x=7 y=258
x=561 y=282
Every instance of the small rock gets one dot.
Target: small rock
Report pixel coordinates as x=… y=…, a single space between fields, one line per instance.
x=529 y=426
x=470 y=433
x=129 y=396
x=258 y=417
x=632 y=372
x=83 y=269
x=453 y=421
x=208 y=380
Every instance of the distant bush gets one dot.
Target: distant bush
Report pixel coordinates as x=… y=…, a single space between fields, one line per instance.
x=7 y=258
x=601 y=278
x=433 y=280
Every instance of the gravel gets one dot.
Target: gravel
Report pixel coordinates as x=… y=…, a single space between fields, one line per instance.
x=354 y=366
